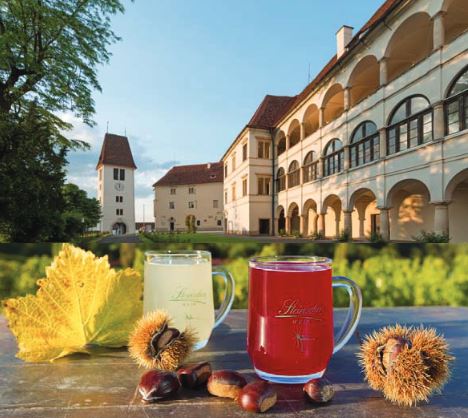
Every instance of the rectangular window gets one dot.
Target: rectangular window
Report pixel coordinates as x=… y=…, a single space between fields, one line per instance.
x=119 y=199
x=218 y=222
x=116 y=173
x=191 y=205
x=264 y=185
x=225 y=196
x=244 y=152
x=233 y=192
x=427 y=127
x=233 y=163
x=122 y=174
x=215 y=204
x=263 y=149
x=173 y=191
x=225 y=171
x=100 y=174
x=191 y=190
x=171 y=205
x=244 y=187
x=119 y=212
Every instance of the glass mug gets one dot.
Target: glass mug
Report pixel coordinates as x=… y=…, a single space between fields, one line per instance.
x=181 y=283
x=290 y=317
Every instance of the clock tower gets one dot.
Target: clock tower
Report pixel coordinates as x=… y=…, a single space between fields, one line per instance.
x=116 y=190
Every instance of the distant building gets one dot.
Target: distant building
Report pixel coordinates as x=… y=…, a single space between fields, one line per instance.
x=375 y=145
x=190 y=194
x=116 y=190
x=145 y=226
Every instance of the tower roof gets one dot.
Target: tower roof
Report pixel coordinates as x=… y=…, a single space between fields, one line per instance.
x=192 y=174
x=116 y=151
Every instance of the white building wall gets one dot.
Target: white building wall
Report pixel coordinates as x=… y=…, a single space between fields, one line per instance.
x=107 y=197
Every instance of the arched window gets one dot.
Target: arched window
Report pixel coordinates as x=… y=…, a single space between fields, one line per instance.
x=456 y=105
x=294 y=177
x=309 y=170
x=365 y=145
x=410 y=124
x=294 y=133
x=280 y=180
x=334 y=157
x=281 y=147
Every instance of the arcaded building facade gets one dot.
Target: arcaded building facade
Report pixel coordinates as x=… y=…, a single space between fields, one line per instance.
x=377 y=143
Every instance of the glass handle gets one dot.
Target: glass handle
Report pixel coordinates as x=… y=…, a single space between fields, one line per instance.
x=354 y=311
x=228 y=297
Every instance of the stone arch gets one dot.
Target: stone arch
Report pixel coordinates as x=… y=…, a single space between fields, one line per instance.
x=410 y=43
x=333 y=103
x=332 y=219
x=294 y=133
x=310 y=216
x=365 y=217
x=456 y=193
x=410 y=210
x=293 y=219
x=281 y=216
x=455 y=20
x=311 y=120
x=280 y=143
x=364 y=79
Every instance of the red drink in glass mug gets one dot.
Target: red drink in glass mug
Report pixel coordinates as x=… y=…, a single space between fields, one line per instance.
x=290 y=318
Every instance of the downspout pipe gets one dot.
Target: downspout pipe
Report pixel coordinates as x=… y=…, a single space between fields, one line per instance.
x=273 y=181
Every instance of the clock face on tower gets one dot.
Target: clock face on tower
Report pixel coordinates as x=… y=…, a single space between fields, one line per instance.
x=119 y=186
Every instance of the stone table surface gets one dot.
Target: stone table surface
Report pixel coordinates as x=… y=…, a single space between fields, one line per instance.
x=104 y=385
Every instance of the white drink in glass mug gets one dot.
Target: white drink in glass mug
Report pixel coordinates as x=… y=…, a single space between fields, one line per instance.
x=182 y=284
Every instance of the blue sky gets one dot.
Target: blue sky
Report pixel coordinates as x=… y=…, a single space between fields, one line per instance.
x=188 y=74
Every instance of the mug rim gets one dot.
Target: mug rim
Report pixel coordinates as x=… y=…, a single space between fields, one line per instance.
x=178 y=254
x=288 y=261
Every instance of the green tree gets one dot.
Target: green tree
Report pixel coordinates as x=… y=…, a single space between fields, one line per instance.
x=31 y=179
x=49 y=54
x=80 y=211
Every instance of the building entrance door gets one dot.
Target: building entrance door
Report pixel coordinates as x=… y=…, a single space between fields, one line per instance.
x=171 y=226
x=264 y=226
x=119 y=228
x=375 y=224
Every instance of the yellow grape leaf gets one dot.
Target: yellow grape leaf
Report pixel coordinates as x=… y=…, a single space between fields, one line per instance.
x=81 y=302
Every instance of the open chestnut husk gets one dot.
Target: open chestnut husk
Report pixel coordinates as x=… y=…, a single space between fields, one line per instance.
x=226 y=384
x=319 y=391
x=258 y=396
x=155 y=385
x=193 y=376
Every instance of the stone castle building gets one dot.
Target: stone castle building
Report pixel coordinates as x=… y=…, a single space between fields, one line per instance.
x=376 y=144
x=116 y=189
x=190 y=195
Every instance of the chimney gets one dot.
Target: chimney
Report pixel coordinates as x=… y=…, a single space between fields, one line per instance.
x=343 y=38
x=208 y=166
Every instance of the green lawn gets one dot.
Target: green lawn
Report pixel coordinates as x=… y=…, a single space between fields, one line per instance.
x=191 y=238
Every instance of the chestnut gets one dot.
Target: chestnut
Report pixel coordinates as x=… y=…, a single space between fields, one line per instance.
x=156 y=384
x=319 y=390
x=391 y=350
x=194 y=375
x=226 y=384
x=257 y=396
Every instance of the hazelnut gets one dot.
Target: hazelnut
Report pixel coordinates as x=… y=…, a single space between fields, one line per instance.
x=194 y=375
x=319 y=390
x=155 y=385
x=226 y=384
x=257 y=396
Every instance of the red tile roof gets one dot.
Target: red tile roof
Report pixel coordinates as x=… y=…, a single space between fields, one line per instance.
x=382 y=12
x=116 y=151
x=271 y=108
x=192 y=174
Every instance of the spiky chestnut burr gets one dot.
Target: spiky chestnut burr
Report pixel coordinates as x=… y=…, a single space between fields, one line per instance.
x=406 y=364
x=156 y=344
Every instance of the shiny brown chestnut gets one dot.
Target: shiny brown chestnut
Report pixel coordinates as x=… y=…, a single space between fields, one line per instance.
x=319 y=390
x=155 y=385
x=226 y=384
x=194 y=375
x=257 y=396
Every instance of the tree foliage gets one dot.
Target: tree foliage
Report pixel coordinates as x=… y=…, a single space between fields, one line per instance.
x=49 y=54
